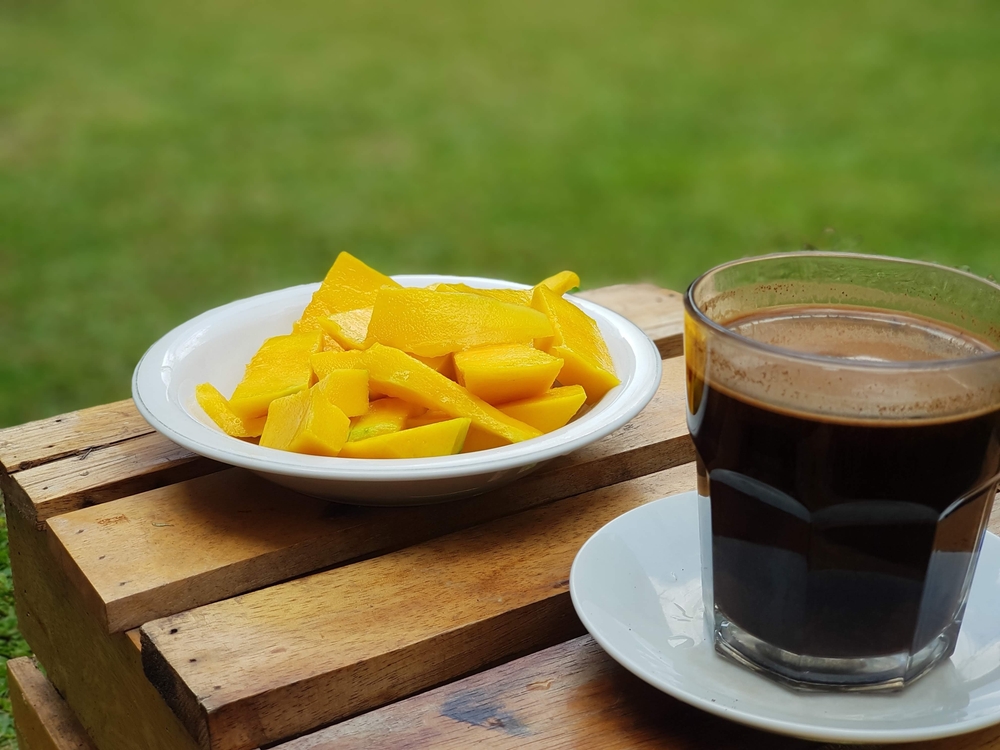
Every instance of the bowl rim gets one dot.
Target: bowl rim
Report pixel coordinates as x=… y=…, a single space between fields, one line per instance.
x=150 y=391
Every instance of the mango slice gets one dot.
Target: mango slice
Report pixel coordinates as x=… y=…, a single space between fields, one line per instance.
x=324 y=363
x=306 y=422
x=430 y=323
x=430 y=416
x=480 y=440
x=510 y=296
x=498 y=374
x=349 y=285
x=347 y=390
x=561 y=282
x=577 y=341
x=549 y=411
x=441 y=439
x=383 y=416
x=279 y=368
x=349 y=329
x=397 y=374
x=217 y=407
x=445 y=364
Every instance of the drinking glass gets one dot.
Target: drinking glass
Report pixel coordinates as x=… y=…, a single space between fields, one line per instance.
x=845 y=479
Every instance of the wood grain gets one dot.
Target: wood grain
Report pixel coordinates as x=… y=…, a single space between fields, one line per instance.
x=277 y=662
x=100 y=475
x=41 y=717
x=572 y=695
x=99 y=675
x=657 y=311
x=195 y=542
x=40 y=442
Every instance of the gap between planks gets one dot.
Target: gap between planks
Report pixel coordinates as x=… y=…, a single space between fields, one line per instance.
x=281 y=661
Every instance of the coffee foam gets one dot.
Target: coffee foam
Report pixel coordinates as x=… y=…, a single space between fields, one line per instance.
x=855 y=364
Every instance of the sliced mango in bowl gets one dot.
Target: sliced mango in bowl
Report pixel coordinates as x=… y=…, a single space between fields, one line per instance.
x=372 y=369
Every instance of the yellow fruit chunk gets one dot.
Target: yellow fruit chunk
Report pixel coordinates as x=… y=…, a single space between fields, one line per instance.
x=349 y=285
x=324 y=363
x=428 y=417
x=329 y=344
x=383 y=416
x=279 y=368
x=498 y=374
x=546 y=412
x=430 y=323
x=480 y=440
x=561 y=282
x=306 y=422
x=347 y=390
x=510 y=296
x=578 y=342
x=397 y=374
x=349 y=329
x=217 y=407
x=441 y=439
x=445 y=364
x=549 y=411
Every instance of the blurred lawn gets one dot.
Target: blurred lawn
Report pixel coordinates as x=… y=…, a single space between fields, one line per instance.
x=157 y=159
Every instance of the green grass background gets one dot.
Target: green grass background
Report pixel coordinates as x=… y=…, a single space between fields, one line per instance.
x=158 y=159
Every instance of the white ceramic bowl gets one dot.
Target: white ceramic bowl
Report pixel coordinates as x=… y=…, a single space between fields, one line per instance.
x=215 y=347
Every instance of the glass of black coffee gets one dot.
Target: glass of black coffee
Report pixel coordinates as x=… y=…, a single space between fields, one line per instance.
x=846 y=415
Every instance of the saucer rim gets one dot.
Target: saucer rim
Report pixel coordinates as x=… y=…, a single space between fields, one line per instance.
x=748 y=718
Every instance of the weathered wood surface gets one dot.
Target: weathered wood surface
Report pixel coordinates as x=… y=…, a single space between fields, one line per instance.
x=195 y=542
x=568 y=696
x=280 y=661
x=41 y=717
x=96 y=455
x=118 y=470
x=35 y=443
x=99 y=675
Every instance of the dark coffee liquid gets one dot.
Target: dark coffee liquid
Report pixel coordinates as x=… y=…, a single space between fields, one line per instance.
x=839 y=538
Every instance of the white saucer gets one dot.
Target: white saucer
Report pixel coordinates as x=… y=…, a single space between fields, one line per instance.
x=636 y=584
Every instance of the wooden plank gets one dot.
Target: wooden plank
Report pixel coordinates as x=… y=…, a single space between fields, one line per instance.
x=657 y=311
x=100 y=676
x=41 y=717
x=572 y=695
x=100 y=475
x=96 y=455
x=36 y=443
x=278 y=662
x=151 y=555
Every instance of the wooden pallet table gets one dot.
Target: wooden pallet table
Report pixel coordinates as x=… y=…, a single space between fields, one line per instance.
x=177 y=604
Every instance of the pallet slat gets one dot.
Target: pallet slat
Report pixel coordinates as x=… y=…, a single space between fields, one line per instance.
x=96 y=455
x=568 y=696
x=196 y=542
x=41 y=717
x=35 y=443
x=277 y=662
x=100 y=676
x=103 y=474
